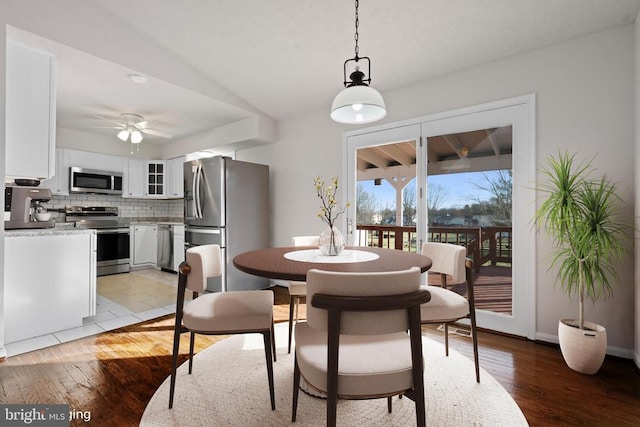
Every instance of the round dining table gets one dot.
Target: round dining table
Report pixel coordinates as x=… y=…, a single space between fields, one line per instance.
x=293 y=263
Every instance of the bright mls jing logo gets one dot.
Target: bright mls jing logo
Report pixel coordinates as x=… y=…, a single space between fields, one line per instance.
x=34 y=415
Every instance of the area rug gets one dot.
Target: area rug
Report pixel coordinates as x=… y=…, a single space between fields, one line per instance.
x=229 y=387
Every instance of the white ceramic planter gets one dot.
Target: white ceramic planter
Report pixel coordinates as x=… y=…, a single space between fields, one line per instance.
x=583 y=349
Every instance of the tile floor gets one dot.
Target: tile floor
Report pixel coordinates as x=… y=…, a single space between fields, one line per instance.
x=123 y=299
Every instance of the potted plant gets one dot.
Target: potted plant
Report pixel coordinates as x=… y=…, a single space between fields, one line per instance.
x=580 y=213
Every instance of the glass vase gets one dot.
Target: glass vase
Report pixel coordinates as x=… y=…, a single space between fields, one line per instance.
x=331 y=241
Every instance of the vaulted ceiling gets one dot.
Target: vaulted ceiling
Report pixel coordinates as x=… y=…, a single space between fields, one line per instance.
x=285 y=57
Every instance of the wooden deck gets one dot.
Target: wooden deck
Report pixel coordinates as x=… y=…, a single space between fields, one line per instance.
x=492 y=288
x=490 y=248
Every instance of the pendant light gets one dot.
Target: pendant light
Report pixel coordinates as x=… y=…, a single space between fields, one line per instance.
x=358 y=102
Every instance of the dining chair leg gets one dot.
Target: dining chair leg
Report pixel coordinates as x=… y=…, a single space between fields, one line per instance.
x=174 y=360
x=296 y=389
x=192 y=339
x=474 y=341
x=273 y=342
x=472 y=315
x=417 y=362
x=389 y=404
x=291 y=303
x=446 y=339
x=269 y=358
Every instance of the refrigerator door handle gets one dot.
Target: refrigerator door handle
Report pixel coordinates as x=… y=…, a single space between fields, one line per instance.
x=193 y=192
x=196 y=194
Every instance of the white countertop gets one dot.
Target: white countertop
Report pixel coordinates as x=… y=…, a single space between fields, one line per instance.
x=46 y=232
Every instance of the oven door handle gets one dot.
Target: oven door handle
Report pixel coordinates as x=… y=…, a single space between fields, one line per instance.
x=112 y=231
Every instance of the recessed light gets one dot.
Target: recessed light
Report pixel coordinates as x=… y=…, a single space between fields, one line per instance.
x=138 y=78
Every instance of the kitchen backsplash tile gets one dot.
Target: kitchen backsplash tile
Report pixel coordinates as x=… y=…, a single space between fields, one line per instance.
x=132 y=208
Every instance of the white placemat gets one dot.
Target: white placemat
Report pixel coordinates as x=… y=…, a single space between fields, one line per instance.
x=347 y=255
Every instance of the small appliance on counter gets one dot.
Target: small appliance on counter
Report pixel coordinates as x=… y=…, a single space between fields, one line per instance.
x=24 y=207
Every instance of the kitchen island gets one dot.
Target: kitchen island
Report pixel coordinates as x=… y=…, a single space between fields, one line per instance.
x=50 y=281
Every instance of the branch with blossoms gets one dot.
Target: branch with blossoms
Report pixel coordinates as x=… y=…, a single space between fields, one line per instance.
x=329 y=211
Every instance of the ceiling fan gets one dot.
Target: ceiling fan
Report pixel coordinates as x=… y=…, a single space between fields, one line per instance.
x=132 y=126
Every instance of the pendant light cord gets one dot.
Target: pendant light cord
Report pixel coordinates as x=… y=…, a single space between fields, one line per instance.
x=357 y=49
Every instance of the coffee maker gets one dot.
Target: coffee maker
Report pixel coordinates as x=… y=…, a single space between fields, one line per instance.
x=20 y=203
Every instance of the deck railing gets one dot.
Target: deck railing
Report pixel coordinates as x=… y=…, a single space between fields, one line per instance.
x=484 y=244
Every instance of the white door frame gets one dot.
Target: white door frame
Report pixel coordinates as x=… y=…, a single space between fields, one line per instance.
x=519 y=112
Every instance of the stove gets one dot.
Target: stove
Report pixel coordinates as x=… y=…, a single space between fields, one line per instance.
x=112 y=235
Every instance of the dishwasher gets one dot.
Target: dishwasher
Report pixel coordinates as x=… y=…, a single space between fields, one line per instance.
x=165 y=246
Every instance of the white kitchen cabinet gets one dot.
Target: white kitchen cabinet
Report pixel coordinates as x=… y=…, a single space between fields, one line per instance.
x=145 y=179
x=97 y=161
x=134 y=179
x=50 y=283
x=155 y=178
x=178 y=246
x=59 y=183
x=144 y=244
x=175 y=178
x=30 y=113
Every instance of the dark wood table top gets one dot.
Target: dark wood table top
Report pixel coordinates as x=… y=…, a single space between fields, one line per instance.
x=271 y=263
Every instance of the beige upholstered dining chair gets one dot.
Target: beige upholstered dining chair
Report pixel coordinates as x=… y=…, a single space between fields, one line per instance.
x=220 y=313
x=449 y=261
x=298 y=290
x=362 y=338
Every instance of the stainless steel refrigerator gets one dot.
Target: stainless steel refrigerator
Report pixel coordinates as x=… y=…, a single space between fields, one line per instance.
x=226 y=202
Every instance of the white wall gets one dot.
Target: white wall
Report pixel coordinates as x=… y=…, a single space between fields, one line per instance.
x=584 y=103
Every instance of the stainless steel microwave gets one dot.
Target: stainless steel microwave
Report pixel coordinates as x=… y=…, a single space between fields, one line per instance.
x=94 y=181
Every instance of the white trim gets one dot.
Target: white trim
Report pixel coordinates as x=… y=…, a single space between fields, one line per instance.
x=624 y=353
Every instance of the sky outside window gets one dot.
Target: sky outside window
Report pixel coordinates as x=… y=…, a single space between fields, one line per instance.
x=459 y=187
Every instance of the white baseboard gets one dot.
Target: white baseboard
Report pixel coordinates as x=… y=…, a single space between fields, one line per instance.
x=624 y=353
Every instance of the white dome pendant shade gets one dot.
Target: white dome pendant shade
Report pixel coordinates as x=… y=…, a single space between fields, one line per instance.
x=358 y=104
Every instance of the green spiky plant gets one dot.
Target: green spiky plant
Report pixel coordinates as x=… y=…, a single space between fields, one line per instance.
x=581 y=215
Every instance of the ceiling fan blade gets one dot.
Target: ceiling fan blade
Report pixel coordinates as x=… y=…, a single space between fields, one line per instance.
x=141 y=125
x=117 y=122
x=156 y=133
x=109 y=127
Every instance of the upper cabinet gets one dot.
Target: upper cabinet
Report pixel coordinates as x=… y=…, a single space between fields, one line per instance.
x=146 y=179
x=31 y=113
x=97 y=161
x=155 y=178
x=134 y=179
x=175 y=178
x=59 y=183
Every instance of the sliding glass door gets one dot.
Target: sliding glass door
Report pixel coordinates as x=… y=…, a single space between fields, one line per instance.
x=468 y=182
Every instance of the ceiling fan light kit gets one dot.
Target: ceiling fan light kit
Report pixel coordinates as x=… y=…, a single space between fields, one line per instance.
x=132 y=126
x=358 y=103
